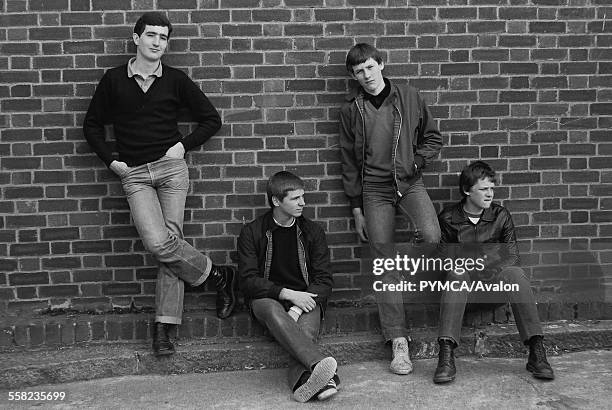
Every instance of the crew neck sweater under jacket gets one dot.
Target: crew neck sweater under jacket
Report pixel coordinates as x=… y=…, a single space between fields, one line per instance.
x=146 y=124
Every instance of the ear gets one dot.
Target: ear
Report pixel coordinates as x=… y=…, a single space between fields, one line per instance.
x=275 y=201
x=382 y=66
x=136 y=38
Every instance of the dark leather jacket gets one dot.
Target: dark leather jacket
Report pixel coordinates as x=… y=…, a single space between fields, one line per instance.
x=255 y=258
x=416 y=139
x=494 y=227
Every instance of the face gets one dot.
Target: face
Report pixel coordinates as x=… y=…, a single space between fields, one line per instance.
x=291 y=205
x=481 y=194
x=369 y=75
x=152 y=43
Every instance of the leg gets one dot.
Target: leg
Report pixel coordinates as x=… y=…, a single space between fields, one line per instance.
x=417 y=206
x=380 y=223
x=286 y=331
x=527 y=321
x=156 y=194
x=289 y=334
x=523 y=303
x=310 y=324
x=452 y=308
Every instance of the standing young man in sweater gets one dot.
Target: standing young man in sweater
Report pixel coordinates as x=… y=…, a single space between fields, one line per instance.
x=285 y=275
x=141 y=99
x=387 y=137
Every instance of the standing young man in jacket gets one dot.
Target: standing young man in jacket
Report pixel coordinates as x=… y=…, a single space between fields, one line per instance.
x=477 y=220
x=141 y=99
x=285 y=275
x=387 y=137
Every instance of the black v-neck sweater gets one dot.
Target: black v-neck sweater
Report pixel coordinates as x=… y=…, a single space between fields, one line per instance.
x=146 y=124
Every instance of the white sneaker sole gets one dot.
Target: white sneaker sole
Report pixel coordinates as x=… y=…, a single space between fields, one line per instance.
x=323 y=371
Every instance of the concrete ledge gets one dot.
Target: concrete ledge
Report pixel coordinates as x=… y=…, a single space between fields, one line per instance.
x=30 y=368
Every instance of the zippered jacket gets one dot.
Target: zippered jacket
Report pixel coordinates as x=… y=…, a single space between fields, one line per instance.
x=416 y=140
x=255 y=258
x=494 y=235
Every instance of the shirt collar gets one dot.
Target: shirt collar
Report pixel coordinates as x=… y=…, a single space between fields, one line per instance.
x=459 y=216
x=131 y=72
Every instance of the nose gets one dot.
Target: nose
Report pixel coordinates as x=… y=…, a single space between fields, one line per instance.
x=155 y=40
x=301 y=202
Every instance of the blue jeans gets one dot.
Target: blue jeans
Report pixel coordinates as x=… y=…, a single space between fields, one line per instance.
x=156 y=193
x=380 y=202
x=452 y=305
x=297 y=338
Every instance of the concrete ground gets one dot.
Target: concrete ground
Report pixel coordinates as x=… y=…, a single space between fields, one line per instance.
x=583 y=381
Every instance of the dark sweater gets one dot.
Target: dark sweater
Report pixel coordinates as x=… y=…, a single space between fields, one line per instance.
x=145 y=124
x=285 y=267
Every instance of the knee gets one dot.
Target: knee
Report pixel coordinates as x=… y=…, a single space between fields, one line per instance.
x=162 y=247
x=513 y=274
x=267 y=309
x=429 y=233
x=452 y=276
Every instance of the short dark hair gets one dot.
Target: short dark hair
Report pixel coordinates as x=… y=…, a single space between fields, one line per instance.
x=280 y=184
x=360 y=53
x=474 y=172
x=152 y=18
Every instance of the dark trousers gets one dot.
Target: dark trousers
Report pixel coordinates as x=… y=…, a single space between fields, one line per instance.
x=452 y=305
x=297 y=338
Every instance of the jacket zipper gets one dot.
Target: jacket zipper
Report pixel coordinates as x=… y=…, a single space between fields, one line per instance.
x=399 y=130
x=362 y=145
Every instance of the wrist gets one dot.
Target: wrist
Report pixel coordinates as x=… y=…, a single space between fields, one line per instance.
x=296 y=310
x=284 y=294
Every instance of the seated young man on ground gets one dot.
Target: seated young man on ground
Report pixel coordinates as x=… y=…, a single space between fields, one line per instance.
x=285 y=275
x=477 y=220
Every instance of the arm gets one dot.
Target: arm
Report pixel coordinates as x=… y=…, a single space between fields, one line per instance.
x=97 y=115
x=508 y=237
x=252 y=284
x=202 y=111
x=351 y=174
x=320 y=275
x=429 y=141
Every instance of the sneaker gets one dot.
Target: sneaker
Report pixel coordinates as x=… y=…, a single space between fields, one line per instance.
x=322 y=373
x=330 y=389
x=401 y=363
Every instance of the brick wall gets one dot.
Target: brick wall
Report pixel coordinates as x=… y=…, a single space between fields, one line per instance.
x=523 y=84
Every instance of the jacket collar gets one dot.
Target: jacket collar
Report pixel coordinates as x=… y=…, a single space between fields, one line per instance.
x=459 y=216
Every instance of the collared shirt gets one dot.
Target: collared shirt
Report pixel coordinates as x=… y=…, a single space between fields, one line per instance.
x=143 y=82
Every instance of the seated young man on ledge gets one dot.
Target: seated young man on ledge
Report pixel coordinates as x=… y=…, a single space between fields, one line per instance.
x=477 y=220
x=285 y=275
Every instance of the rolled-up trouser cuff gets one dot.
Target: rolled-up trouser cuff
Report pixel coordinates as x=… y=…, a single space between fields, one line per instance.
x=204 y=276
x=393 y=333
x=169 y=319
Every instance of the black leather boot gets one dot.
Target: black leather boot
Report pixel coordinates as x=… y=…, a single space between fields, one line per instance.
x=162 y=346
x=445 y=372
x=224 y=277
x=537 y=363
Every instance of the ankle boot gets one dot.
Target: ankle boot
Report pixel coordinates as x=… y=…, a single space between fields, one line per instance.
x=224 y=277
x=161 y=342
x=445 y=372
x=537 y=363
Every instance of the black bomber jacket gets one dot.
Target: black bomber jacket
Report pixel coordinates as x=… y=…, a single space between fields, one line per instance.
x=255 y=258
x=494 y=227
